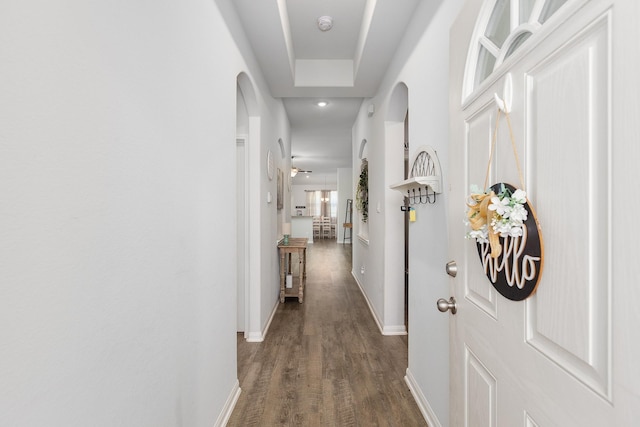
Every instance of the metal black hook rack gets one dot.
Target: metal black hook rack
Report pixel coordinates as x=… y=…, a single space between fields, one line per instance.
x=421 y=198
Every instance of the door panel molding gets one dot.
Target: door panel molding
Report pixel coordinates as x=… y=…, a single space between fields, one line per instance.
x=568 y=320
x=478 y=129
x=481 y=390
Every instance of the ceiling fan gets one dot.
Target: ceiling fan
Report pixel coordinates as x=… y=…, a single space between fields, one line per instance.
x=295 y=170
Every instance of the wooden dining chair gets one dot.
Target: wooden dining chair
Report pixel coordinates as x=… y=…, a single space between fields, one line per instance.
x=326 y=227
x=317 y=226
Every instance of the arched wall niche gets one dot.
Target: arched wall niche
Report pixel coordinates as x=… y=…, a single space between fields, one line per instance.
x=394 y=224
x=362 y=152
x=248 y=94
x=282 y=149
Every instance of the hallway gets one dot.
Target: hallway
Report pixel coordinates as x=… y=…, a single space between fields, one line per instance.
x=325 y=362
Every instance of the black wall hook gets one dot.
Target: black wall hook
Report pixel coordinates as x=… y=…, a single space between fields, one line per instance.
x=422 y=197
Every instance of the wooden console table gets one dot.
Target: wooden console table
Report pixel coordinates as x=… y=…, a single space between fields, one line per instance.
x=296 y=245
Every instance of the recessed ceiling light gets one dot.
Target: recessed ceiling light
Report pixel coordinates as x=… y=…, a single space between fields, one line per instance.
x=322 y=103
x=325 y=23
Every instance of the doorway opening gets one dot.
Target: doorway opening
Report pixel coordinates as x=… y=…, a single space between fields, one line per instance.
x=406 y=223
x=246 y=136
x=397 y=134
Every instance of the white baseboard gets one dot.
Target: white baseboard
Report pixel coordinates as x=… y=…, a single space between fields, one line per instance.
x=259 y=336
x=426 y=410
x=384 y=330
x=227 y=410
x=364 y=294
x=394 y=330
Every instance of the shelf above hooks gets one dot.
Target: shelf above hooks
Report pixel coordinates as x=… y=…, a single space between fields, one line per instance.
x=433 y=182
x=426 y=178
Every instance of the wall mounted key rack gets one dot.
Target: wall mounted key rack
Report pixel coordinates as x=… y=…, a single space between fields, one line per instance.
x=425 y=179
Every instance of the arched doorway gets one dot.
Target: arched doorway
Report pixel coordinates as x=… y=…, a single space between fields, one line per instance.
x=397 y=122
x=246 y=107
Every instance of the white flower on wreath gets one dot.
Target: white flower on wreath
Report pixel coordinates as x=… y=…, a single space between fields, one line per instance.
x=480 y=236
x=505 y=214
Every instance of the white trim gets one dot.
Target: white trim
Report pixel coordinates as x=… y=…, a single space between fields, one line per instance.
x=255 y=279
x=394 y=330
x=363 y=239
x=259 y=336
x=469 y=77
x=384 y=330
x=542 y=31
x=229 y=405
x=244 y=140
x=363 y=144
x=282 y=150
x=423 y=404
x=511 y=38
x=373 y=312
x=254 y=337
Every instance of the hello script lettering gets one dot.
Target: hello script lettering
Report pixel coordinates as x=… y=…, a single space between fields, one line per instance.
x=517 y=267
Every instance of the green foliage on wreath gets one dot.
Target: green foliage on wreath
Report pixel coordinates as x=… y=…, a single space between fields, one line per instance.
x=362 y=192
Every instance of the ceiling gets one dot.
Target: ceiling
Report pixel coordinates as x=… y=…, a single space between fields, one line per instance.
x=342 y=66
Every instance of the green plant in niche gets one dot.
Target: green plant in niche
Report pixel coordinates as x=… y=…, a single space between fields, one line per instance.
x=362 y=192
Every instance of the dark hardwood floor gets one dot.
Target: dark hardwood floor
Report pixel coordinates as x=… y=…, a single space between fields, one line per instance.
x=324 y=362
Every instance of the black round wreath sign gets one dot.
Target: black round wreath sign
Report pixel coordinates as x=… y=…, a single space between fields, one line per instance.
x=515 y=273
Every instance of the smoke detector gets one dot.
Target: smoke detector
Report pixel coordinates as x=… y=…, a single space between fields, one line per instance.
x=325 y=23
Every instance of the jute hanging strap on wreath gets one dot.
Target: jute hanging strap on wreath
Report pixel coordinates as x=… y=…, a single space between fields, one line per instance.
x=479 y=214
x=506 y=230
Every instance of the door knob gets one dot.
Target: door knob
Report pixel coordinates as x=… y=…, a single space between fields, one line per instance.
x=444 y=305
x=452 y=268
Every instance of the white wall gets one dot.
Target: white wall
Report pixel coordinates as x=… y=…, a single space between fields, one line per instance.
x=345 y=191
x=362 y=256
x=299 y=198
x=267 y=125
x=379 y=248
x=118 y=237
x=274 y=125
x=422 y=64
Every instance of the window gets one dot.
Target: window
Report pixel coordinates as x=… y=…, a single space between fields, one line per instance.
x=503 y=26
x=323 y=203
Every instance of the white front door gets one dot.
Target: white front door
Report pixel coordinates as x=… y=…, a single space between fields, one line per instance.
x=568 y=355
